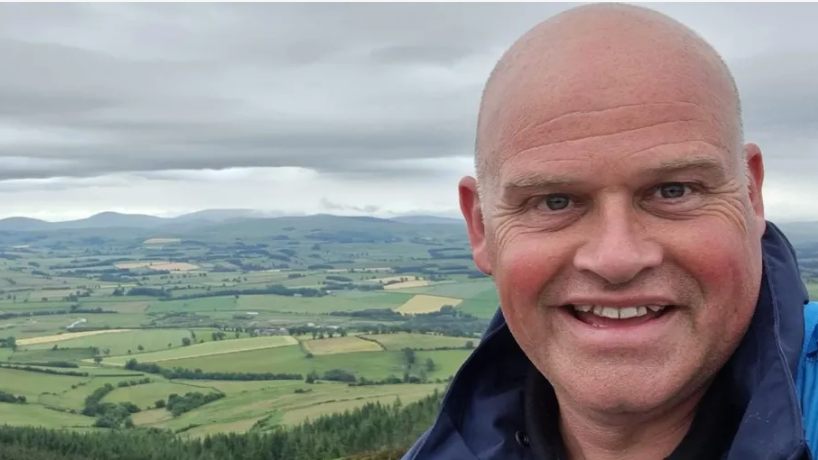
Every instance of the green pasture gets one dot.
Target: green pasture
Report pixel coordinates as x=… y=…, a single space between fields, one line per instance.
x=397 y=342
x=43 y=353
x=207 y=350
x=73 y=397
x=281 y=405
x=326 y=304
x=119 y=343
x=36 y=415
x=146 y=395
x=812 y=288
x=203 y=304
x=33 y=384
x=291 y=359
x=233 y=387
x=114 y=320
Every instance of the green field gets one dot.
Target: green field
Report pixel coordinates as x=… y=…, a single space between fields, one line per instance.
x=31 y=414
x=202 y=350
x=328 y=304
x=396 y=342
x=203 y=304
x=145 y=396
x=120 y=343
x=32 y=385
x=44 y=355
x=291 y=359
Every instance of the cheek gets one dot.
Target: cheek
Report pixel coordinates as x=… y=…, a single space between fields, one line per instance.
x=724 y=267
x=525 y=264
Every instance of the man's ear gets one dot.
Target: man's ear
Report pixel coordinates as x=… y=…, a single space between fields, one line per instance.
x=472 y=212
x=755 y=181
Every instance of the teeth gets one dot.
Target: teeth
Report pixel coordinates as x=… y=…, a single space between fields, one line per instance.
x=618 y=313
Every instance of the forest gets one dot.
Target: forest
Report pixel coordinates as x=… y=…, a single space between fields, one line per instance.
x=381 y=431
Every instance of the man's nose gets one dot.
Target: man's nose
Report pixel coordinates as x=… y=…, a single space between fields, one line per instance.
x=617 y=249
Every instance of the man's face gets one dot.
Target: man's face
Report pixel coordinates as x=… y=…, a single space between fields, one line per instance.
x=643 y=215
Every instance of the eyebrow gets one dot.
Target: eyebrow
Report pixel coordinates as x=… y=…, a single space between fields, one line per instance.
x=694 y=163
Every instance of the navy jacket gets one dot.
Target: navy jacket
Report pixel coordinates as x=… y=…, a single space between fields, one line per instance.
x=482 y=417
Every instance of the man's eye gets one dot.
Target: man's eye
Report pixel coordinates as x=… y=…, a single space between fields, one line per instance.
x=672 y=191
x=556 y=202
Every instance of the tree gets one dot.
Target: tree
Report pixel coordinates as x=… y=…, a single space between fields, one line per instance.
x=97 y=359
x=409 y=354
x=140 y=348
x=185 y=341
x=160 y=403
x=430 y=364
x=469 y=345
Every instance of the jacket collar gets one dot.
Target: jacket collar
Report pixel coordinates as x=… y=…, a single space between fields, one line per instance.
x=483 y=407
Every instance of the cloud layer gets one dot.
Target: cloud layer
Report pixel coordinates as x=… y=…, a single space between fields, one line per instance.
x=357 y=96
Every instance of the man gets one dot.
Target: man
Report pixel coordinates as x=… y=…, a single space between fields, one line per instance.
x=648 y=310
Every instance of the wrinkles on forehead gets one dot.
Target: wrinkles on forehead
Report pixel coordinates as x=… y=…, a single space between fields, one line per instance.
x=602 y=70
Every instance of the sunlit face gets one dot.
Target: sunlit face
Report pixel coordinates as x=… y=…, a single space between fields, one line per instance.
x=627 y=259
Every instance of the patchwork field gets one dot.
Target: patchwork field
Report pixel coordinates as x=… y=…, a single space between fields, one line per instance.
x=213 y=302
x=422 y=303
x=214 y=348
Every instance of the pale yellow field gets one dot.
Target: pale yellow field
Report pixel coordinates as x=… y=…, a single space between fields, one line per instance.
x=408 y=284
x=423 y=303
x=340 y=345
x=159 y=265
x=161 y=241
x=66 y=336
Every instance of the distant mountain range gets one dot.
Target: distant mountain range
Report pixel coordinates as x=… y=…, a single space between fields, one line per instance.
x=106 y=220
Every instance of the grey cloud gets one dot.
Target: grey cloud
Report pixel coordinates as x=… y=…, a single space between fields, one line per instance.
x=344 y=89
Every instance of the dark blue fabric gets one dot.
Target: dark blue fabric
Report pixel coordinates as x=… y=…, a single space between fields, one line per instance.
x=482 y=412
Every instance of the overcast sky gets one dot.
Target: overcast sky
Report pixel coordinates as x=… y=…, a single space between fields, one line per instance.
x=361 y=108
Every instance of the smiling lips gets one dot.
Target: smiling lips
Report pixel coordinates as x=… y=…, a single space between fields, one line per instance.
x=604 y=316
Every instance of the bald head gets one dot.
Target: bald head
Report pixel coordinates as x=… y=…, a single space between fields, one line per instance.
x=599 y=58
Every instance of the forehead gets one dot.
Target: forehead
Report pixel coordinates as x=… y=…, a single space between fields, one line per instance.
x=585 y=102
x=630 y=140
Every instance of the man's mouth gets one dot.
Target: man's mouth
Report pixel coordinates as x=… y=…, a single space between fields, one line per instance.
x=609 y=316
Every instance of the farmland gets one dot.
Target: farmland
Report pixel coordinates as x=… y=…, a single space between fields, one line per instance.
x=241 y=327
x=280 y=321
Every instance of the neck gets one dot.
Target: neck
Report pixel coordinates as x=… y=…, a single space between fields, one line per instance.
x=594 y=436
